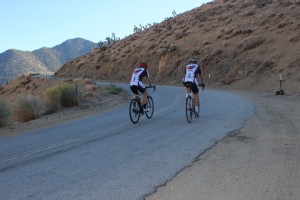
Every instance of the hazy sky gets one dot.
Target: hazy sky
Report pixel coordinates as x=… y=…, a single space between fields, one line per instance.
x=31 y=24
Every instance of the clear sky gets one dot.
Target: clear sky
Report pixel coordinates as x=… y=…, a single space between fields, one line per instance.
x=28 y=25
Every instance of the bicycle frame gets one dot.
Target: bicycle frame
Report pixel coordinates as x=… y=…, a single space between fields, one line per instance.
x=135 y=111
x=190 y=107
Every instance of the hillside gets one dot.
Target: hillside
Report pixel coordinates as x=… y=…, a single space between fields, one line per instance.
x=242 y=44
x=14 y=63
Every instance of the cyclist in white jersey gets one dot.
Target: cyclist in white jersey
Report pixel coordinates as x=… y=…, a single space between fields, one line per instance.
x=190 y=81
x=136 y=84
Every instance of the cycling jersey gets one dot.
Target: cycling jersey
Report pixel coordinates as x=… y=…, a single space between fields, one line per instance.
x=138 y=75
x=191 y=70
x=189 y=80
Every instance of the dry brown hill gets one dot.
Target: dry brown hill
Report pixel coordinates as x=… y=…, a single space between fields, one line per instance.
x=240 y=43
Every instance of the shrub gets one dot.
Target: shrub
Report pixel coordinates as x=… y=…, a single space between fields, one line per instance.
x=70 y=94
x=262 y=3
x=294 y=38
x=64 y=94
x=113 y=89
x=5 y=112
x=250 y=43
x=27 y=108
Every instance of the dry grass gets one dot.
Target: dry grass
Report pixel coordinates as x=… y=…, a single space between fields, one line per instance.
x=113 y=89
x=61 y=95
x=5 y=112
x=27 y=108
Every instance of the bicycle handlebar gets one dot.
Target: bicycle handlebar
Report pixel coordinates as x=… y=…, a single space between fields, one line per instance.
x=203 y=86
x=152 y=86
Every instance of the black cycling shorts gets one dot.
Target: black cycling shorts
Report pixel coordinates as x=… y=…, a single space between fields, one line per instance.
x=135 y=89
x=192 y=85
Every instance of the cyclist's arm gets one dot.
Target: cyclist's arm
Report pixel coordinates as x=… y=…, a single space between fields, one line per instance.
x=149 y=79
x=201 y=77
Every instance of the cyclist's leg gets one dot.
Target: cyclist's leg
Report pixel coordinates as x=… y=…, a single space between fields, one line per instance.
x=134 y=90
x=196 y=99
x=195 y=90
x=187 y=91
x=144 y=101
x=142 y=89
x=187 y=88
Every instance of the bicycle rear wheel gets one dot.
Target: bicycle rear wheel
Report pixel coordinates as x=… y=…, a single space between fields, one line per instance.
x=189 y=109
x=134 y=111
x=150 y=107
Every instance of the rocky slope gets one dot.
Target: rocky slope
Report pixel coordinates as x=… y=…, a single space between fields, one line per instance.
x=240 y=43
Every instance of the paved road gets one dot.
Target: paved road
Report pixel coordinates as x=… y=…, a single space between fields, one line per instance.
x=107 y=157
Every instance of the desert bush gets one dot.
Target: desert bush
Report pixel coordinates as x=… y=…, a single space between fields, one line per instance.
x=285 y=3
x=52 y=98
x=113 y=89
x=202 y=17
x=5 y=112
x=27 y=108
x=225 y=43
x=262 y=3
x=178 y=36
x=62 y=95
x=250 y=43
x=173 y=48
x=153 y=46
x=69 y=97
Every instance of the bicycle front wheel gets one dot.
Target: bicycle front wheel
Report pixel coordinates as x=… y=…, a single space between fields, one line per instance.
x=189 y=109
x=134 y=111
x=150 y=107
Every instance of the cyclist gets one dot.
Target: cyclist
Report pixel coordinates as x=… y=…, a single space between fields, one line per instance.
x=190 y=81
x=136 y=84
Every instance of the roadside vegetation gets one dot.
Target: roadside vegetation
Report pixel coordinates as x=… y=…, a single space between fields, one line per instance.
x=113 y=89
x=5 y=112
x=27 y=108
x=27 y=98
x=62 y=95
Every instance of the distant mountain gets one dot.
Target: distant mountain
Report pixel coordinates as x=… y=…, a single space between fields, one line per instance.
x=14 y=63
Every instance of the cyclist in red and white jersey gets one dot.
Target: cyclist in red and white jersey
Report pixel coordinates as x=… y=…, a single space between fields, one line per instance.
x=136 y=84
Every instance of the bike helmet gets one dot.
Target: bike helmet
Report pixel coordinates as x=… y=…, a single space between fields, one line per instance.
x=193 y=60
x=143 y=65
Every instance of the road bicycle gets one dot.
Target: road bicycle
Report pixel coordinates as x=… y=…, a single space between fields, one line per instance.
x=189 y=106
x=136 y=109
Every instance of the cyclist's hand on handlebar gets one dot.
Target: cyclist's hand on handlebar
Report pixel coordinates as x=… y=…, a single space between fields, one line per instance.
x=202 y=85
x=152 y=86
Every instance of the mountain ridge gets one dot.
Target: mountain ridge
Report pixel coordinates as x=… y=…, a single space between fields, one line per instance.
x=14 y=63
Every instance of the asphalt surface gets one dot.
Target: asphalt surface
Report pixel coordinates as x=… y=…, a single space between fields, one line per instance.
x=106 y=157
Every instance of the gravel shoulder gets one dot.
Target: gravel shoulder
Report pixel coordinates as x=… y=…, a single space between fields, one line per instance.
x=260 y=161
